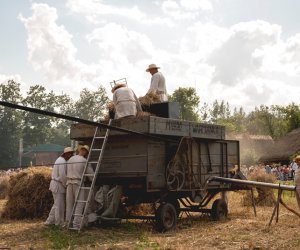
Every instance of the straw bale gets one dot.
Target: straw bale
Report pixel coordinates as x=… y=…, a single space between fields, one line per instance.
x=141 y=209
x=143 y=114
x=28 y=194
x=110 y=106
x=149 y=98
x=263 y=196
x=3 y=186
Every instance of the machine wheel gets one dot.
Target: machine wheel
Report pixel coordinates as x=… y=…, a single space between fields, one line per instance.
x=166 y=217
x=175 y=203
x=219 y=210
x=175 y=175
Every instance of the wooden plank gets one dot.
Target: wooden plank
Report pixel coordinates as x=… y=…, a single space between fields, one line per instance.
x=165 y=126
x=154 y=125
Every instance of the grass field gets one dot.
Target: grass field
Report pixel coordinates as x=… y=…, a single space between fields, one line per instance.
x=242 y=230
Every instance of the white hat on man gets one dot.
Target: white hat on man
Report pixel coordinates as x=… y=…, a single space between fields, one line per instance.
x=86 y=147
x=152 y=66
x=68 y=150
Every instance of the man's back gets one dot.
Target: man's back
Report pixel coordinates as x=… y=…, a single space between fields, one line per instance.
x=75 y=167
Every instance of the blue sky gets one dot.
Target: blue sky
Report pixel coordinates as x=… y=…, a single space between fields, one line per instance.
x=243 y=52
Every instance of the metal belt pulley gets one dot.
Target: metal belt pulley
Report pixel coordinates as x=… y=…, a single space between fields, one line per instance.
x=175 y=175
x=176 y=169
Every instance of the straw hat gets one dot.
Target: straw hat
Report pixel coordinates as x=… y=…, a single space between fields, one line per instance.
x=86 y=147
x=67 y=150
x=297 y=158
x=119 y=85
x=152 y=66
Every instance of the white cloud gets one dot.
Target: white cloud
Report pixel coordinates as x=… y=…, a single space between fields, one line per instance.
x=94 y=11
x=237 y=58
x=195 y=5
x=176 y=12
x=117 y=43
x=51 y=51
x=244 y=64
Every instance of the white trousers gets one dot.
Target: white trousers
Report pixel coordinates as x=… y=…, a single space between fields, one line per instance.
x=57 y=212
x=72 y=190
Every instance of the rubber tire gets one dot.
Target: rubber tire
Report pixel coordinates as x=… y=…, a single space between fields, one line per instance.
x=219 y=210
x=176 y=205
x=166 y=217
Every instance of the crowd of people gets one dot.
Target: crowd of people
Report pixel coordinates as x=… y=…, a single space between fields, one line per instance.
x=281 y=172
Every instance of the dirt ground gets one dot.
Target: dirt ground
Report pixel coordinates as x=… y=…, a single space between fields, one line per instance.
x=242 y=230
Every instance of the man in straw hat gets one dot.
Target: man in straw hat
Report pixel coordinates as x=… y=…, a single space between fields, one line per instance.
x=58 y=188
x=75 y=170
x=297 y=180
x=158 y=82
x=125 y=101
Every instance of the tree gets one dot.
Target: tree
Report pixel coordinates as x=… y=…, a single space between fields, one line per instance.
x=266 y=120
x=188 y=101
x=38 y=129
x=61 y=131
x=10 y=125
x=291 y=115
x=92 y=104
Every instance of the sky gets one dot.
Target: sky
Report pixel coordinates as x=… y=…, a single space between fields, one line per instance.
x=246 y=53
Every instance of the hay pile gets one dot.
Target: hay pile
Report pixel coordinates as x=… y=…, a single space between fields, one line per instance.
x=28 y=194
x=140 y=209
x=3 y=186
x=262 y=196
x=149 y=99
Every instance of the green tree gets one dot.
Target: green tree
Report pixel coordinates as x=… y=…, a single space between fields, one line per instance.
x=92 y=104
x=37 y=128
x=219 y=112
x=188 y=101
x=61 y=128
x=10 y=125
x=266 y=120
x=291 y=116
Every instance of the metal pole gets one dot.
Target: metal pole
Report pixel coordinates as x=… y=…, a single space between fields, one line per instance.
x=248 y=183
x=79 y=120
x=20 y=152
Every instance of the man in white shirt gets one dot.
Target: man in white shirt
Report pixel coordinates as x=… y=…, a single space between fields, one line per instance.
x=158 y=82
x=58 y=188
x=75 y=170
x=125 y=101
x=297 y=180
x=294 y=167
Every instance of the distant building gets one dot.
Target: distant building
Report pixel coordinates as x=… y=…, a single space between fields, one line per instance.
x=283 y=149
x=255 y=145
x=42 y=154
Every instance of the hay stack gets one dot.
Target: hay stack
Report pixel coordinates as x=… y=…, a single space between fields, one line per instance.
x=140 y=209
x=264 y=196
x=28 y=194
x=149 y=98
x=3 y=186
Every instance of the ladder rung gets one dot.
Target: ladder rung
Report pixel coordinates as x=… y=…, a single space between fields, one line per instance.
x=93 y=162
x=85 y=187
x=81 y=215
x=99 y=137
x=96 y=149
x=82 y=201
x=89 y=174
